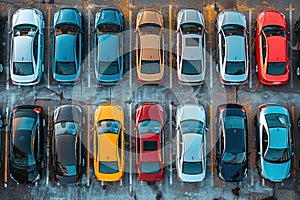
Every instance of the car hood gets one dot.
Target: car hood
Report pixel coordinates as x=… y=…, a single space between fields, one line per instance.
x=68 y=113
x=23 y=175
x=276 y=48
x=150 y=112
x=108 y=16
x=108 y=47
x=190 y=16
x=272 y=17
x=235 y=48
x=192 y=52
x=149 y=16
x=230 y=172
x=26 y=16
x=22 y=47
x=276 y=171
x=232 y=17
x=65 y=48
x=150 y=47
x=192 y=112
x=70 y=16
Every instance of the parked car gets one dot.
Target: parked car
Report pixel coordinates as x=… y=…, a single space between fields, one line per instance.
x=231 y=147
x=2 y=27
x=274 y=142
x=150 y=46
x=297 y=32
x=109 y=158
x=109 y=46
x=26 y=149
x=67 y=46
x=271 y=38
x=191 y=143
x=67 y=149
x=149 y=141
x=191 y=39
x=232 y=47
x=27 y=47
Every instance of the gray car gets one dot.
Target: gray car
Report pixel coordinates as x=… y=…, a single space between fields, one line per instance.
x=27 y=47
x=232 y=47
x=191 y=37
x=67 y=44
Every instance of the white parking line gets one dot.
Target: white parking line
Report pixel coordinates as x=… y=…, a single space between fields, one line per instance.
x=249 y=49
x=48 y=145
x=49 y=46
x=130 y=147
x=8 y=46
x=170 y=143
x=89 y=48
x=6 y=149
x=291 y=50
x=130 y=45
x=170 y=44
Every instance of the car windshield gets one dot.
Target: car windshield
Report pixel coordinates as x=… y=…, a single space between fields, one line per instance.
x=235 y=68
x=191 y=67
x=66 y=28
x=25 y=30
x=150 y=28
x=65 y=68
x=149 y=126
x=150 y=67
x=108 y=126
x=150 y=145
x=274 y=30
x=234 y=122
x=108 y=28
x=191 y=28
x=192 y=168
x=276 y=68
x=277 y=155
x=191 y=126
x=233 y=29
x=234 y=158
x=23 y=68
x=150 y=167
x=66 y=128
x=276 y=120
x=108 y=167
x=108 y=68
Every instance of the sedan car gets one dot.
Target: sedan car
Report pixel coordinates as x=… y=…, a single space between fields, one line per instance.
x=26 y=149
x=191 y=143
x=274 y=142
x=149 y=143
x=108 y=46
x=67 y=150
x=150 y=46
x=109 y=159
x=190 y=47
x=272 y=60
x=67 y=44
x=232 y=47
x=27 y=47
x=231 y=147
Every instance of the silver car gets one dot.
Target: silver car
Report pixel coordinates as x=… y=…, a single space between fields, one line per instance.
x=27 y=47
x=191 y=143
x=232 y=47
x=191 y=52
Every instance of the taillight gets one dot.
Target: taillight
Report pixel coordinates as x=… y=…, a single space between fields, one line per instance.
x=223 y=80
x=221 y=109
x=14 y=110
x=36 y=80
x=77 y=80
x=243 y=109
x=37 y=110
x=262 y=107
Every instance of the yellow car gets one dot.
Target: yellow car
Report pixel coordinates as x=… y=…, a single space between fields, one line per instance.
x=109 y=142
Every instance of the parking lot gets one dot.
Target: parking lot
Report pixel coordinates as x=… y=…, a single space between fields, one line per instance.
x=169 y=93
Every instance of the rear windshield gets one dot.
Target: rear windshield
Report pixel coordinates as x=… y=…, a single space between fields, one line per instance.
x=192 y=168
x=108 y=167
x=108 y=68
x=276 y=68
x=150 y=167
x=191 y=67
x=23 y=68
x=65 y=68
x=150 y=67
x=235 y=68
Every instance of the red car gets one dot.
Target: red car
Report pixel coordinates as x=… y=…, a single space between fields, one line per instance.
x=272 y=59
x=149 y=130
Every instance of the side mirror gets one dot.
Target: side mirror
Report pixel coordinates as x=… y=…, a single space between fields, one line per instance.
x=293 y=153
x=247 y=32
x=259 y=153
x=10 y=32
x=205 y=31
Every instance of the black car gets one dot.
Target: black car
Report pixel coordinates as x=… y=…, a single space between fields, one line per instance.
x=231 y=147
x=26 y=149
x=297 y=47
x=67 y=151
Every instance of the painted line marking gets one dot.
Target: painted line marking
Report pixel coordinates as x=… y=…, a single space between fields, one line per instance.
x=89 y=48
x=6 y=150
x=130 y=148
x=48 y=144
x=88 y=171
x=130 y=45
x=171 y=136
x=212 y=159
x=294 y=146
x=249 y=48
x=252 y=159
x=170 y=44
x=49 y=46
x=291 y=9
x=8 y=48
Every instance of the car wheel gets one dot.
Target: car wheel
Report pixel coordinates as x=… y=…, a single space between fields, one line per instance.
x=298 y=72
x=256 y=68
x=298 y=122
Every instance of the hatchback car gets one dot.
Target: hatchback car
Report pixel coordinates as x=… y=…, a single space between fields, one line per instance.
x=67 y=150
x=232 y=47
x=26 y=147
x=231 y=147
x=67 y=44
x=150 y=46
x=108 y=46
x=27 y=47
x=272 y=60
x=274 y=142
x=109 y=158
x=149 y=143
x=191 y=39
x=191 y=143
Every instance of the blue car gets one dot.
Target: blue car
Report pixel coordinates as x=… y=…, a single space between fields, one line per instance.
x=67 y=43
x=108 y=46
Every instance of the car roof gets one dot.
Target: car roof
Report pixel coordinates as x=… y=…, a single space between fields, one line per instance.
x=21 y=43
x=278 y=138
x=150 y=47
x=191 y=16
x=233 y=17
x=276 y=49
x=65 y=48
x=192 y=147
x=66 y=156
x=192 y=52
x=109 y=47
x=108 y=146
x=235 y=48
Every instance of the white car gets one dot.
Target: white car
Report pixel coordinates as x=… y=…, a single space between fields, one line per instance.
x=27 y=47
x=191 y=143
x=190 y=45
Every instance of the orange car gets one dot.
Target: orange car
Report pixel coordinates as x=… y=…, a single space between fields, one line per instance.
x=109 y=142
x=150 y=46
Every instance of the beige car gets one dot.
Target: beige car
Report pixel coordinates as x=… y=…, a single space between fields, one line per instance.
x=150 y=46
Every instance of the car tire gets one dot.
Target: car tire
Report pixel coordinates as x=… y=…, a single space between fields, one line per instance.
x=256 y=68
x=298 y=122
x=298 y=72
